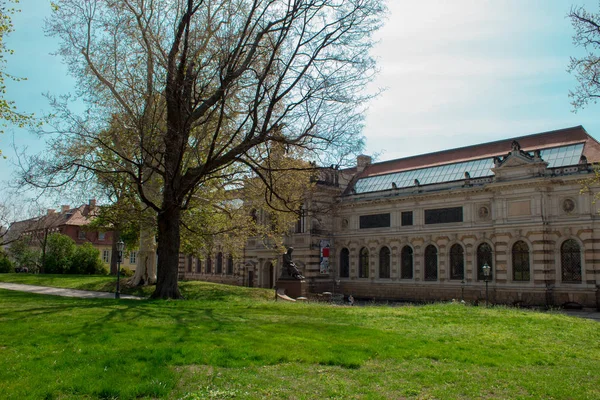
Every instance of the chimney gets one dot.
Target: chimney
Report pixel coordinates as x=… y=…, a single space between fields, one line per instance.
x=64 y=208
x=362 y=161
x=92 y=203
x=50 y=211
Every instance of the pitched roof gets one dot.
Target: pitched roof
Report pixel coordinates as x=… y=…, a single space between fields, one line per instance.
x=538 y=141
x=78 y=216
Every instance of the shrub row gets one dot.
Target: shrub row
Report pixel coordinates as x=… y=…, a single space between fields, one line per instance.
x=62 y=256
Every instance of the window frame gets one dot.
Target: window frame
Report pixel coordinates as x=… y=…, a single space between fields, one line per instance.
x=456 y=257
x=403 y=266
x=481 y=262
x=344 y=266
x=209 y=264
x=229 y=268
x=518 y=257
x=386 y=266
x=578 y=253
x=426 y=263
x=219 y=266
x=363 y=263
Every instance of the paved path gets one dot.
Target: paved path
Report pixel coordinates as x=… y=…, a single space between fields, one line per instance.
x=595 y=315
x=85 y=294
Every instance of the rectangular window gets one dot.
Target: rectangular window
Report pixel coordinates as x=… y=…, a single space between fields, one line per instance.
x=407 y=218
x=106 y=256
x=375 y=221
x=101 y=235
x=444 y=215
x=300 y=221
x=81 y=234
x=132 y=257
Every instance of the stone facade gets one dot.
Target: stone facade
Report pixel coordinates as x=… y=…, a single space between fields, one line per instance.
x=428 y=239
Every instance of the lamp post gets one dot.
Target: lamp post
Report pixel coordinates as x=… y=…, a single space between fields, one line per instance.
x=120 y=247
x=486 y=277
x=462 y=290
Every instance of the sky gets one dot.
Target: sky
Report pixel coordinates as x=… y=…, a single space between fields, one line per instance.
x=454 y=73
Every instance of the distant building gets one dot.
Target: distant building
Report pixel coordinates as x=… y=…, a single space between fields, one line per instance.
x=70 y=222
x=421 y=228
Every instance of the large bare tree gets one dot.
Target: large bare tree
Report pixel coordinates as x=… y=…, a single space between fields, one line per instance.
x=202 y=89
x=587 y=67
x=9 y=115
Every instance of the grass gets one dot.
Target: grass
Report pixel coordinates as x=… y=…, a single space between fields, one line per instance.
x=231 y=342
x=191 y=290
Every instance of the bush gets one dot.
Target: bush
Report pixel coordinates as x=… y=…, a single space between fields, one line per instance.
x=23 y=256
x=59 y=253
x=86 y=261
x=126 y=272
x=6 y=265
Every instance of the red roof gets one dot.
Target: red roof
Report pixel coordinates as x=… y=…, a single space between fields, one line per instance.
x=544 y=140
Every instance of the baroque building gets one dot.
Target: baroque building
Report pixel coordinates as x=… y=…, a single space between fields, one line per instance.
x=421 y=228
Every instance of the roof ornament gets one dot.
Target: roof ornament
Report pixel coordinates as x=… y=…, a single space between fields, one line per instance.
x=515 y=146
x=418 y=185
x=537 y=155
x=394 y=186
x=497 y=162
x=467 y=179
x=583 y=163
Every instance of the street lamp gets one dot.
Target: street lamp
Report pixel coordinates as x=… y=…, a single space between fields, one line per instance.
x=120 y=248
x=486 y=277
x=462 y=290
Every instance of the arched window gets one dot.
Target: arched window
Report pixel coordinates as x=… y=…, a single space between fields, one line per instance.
x=363 y=263
x=457 y=262
x=219 y=269
x=230 y=265
x=570 y=261
x=431 y=263
x=484 y=256
x=208 y=264
x=384 y=263
x=198 y=265
x=520 y=261
x=406 y=258
x=344 y=263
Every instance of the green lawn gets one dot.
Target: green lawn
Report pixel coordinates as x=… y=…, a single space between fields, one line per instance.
x=234 y=342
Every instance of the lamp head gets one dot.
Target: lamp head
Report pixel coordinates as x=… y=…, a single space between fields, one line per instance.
x=486 y=270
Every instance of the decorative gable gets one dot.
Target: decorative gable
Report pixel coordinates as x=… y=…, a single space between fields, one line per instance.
x=519 y=164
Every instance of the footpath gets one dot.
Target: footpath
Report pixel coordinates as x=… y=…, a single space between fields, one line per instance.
x=84 y=294
x=88 y=294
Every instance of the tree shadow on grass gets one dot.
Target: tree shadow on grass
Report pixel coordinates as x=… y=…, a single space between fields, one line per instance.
x=194 y=332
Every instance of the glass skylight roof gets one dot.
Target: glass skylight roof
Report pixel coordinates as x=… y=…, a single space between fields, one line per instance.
x=555 y=157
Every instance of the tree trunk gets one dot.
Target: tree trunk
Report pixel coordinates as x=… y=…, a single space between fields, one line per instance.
x=114 y=252
x=44 y=243
x=168 y=252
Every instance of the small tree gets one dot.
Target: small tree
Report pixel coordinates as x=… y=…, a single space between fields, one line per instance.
x=5 y=264
x=23 y=255
x=86 y=260
x=59 y=253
